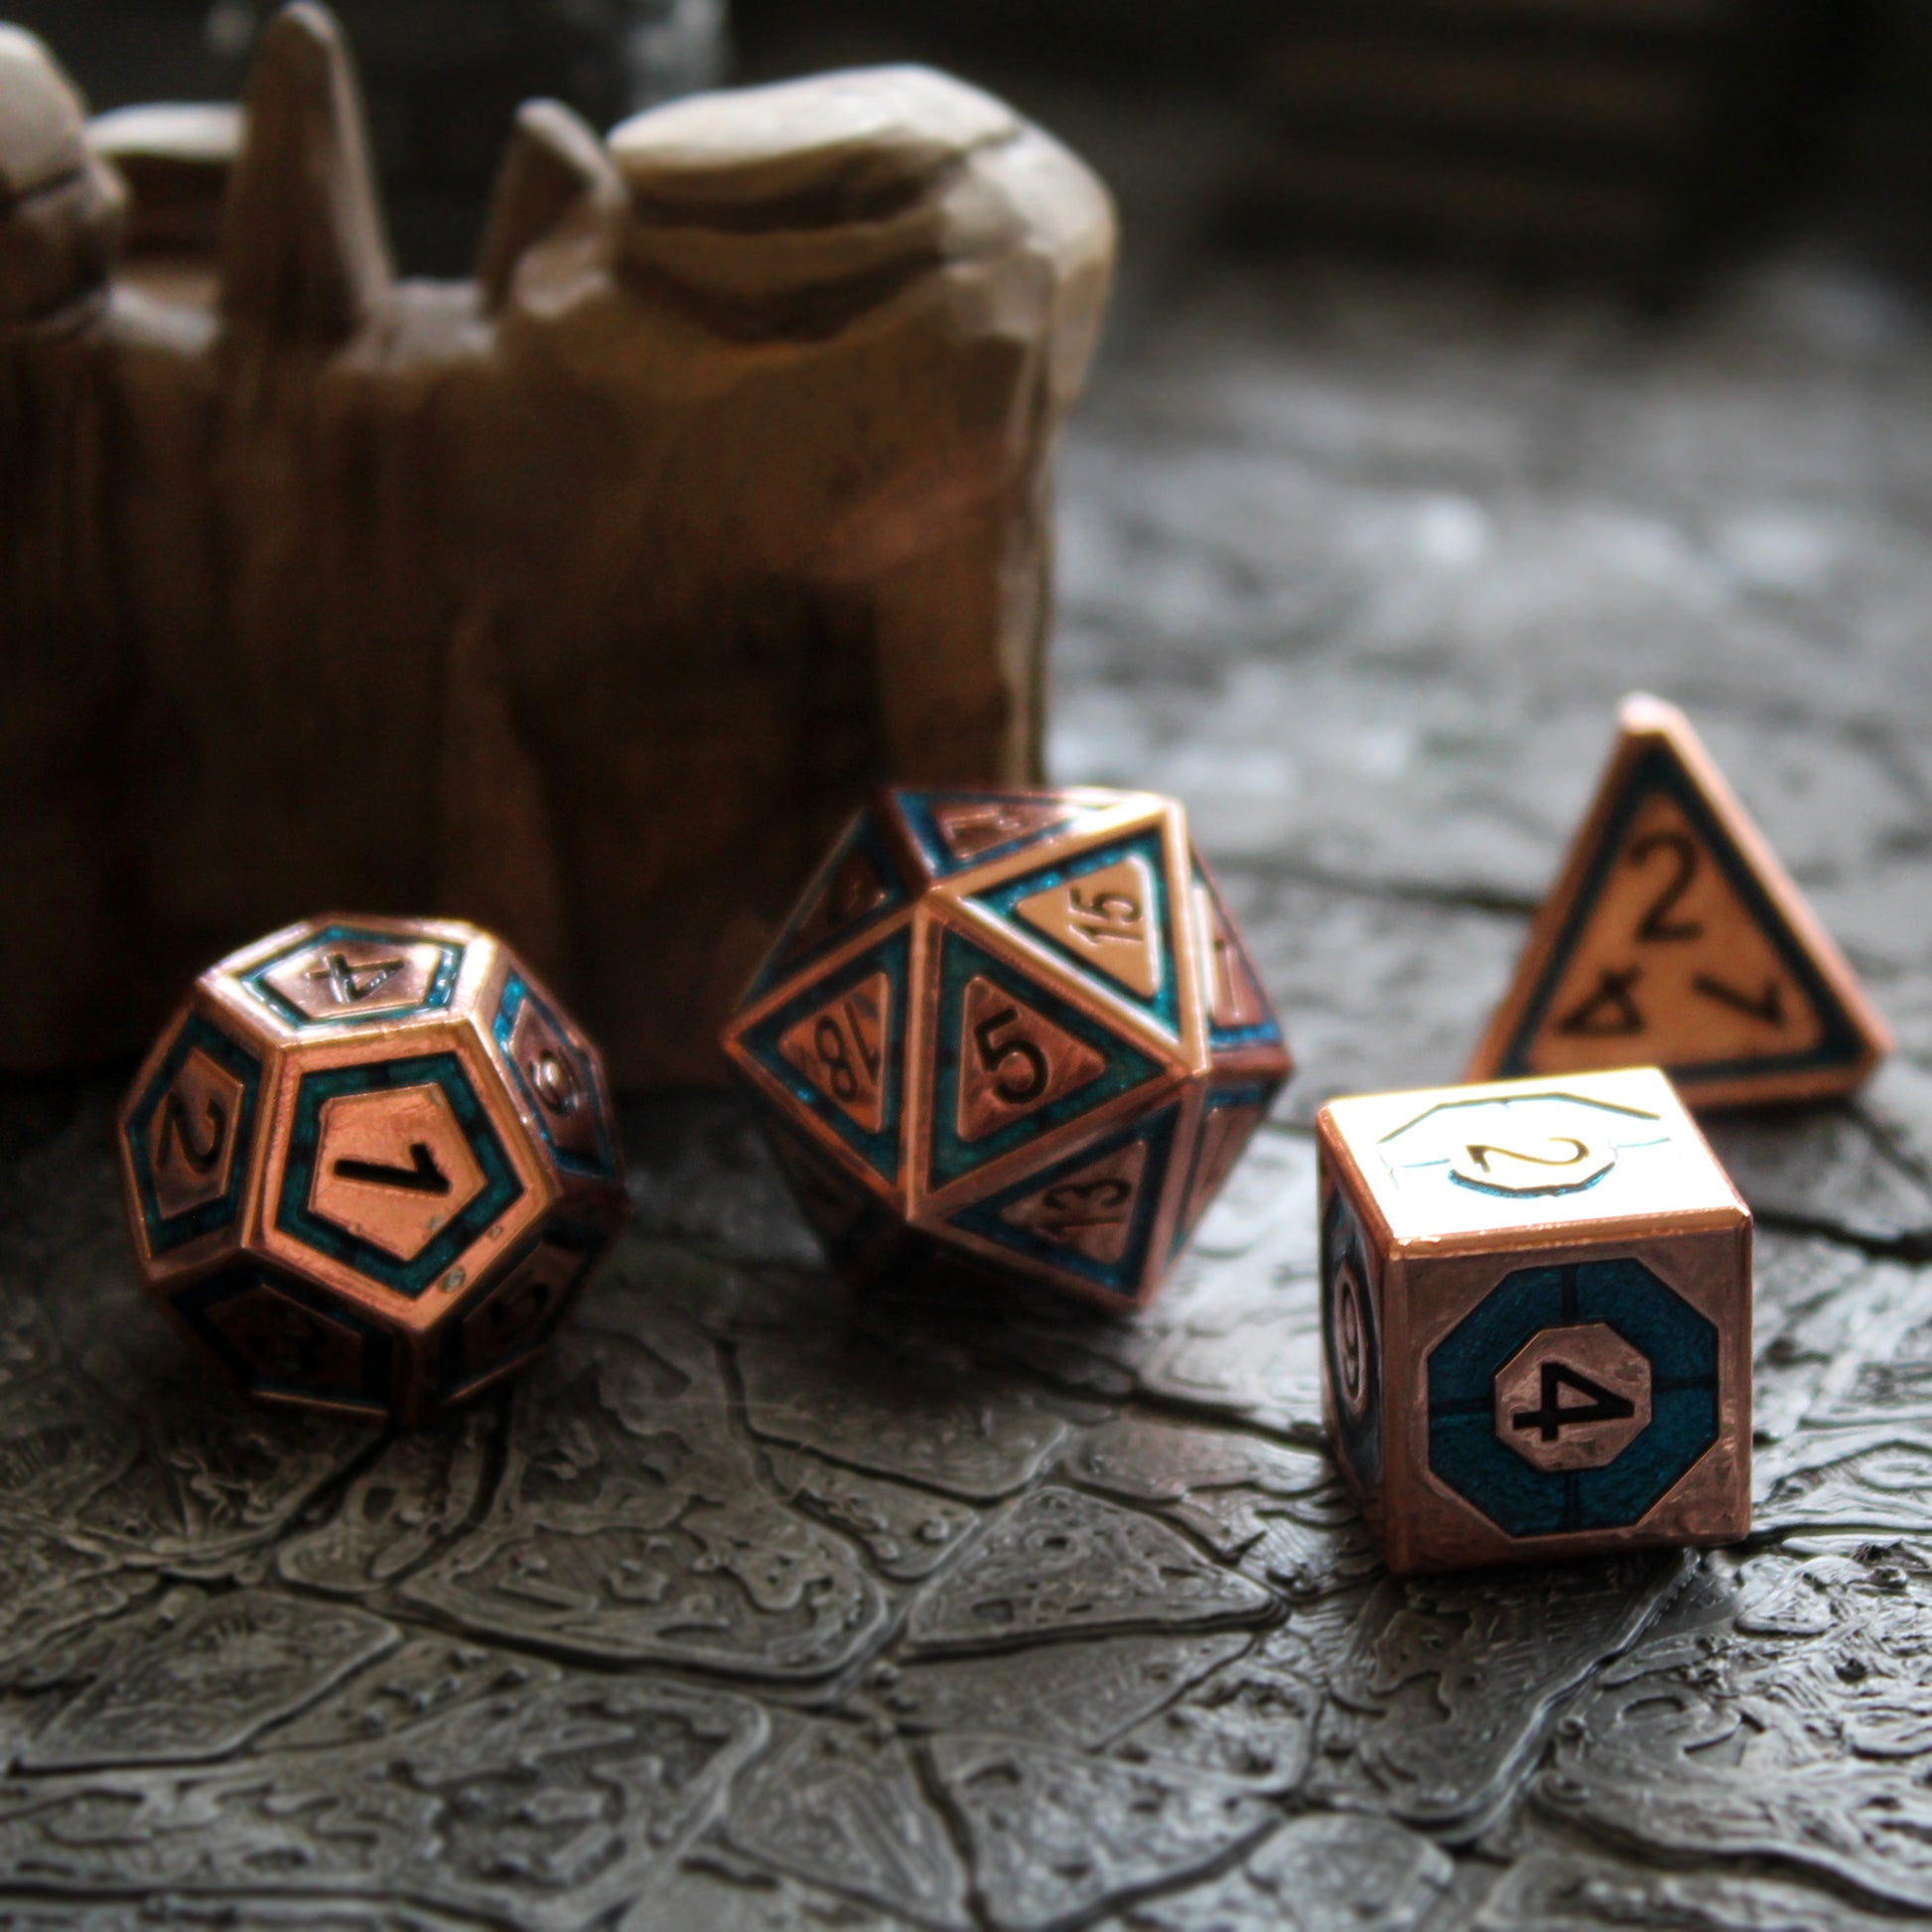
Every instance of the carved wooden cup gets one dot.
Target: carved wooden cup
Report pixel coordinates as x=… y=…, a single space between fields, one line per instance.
x=1537 y=1309
x=1013 y=1029
x=369 y=1165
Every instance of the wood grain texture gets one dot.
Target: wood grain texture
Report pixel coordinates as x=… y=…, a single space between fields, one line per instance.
x=583 y=599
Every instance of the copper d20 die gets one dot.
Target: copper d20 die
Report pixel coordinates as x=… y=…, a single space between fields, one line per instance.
x=1536 y=1310
x=1020 y=1028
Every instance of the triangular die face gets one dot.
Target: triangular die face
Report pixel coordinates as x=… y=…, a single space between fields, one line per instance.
x=1016 y=1061
x=1013 y=1062
x=970 y=830
x=840 y=1048
x=956 y=830
x=856 y=885
x=1678 y=947
x=1091 y=1211
x=1239 y=1011
x=835 y=1052
x=1673 y=963
x=1106 y=918
x=1092 y=1217
x=1111 y=912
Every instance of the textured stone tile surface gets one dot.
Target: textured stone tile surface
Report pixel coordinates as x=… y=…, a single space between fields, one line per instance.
x=763 y=1607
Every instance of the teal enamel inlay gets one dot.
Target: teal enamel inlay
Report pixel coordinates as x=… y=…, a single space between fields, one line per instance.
x=1266 y=1032
x=436 y=995
x=1123 y=1277
x=603 y=1165
x=500 y=1190
x=961 y=961
x=920 y=808
x=880 y=1151
x=1680 y=1344
x=788 y=956
x=1165 y=1006
x=167 y=1232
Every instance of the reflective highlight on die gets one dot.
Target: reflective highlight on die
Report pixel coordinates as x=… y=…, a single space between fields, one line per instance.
x=370 y=1164
x=1536 y=1311
x=1013 y=1028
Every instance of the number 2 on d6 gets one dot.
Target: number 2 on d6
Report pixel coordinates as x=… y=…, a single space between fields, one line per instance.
x=1536 y=1312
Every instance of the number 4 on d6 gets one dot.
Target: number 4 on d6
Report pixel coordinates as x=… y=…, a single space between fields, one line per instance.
x=1536 y=1310
x=1015 y=1029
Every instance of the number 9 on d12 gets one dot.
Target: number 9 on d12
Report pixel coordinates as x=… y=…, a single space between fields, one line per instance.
x=1536 y=1309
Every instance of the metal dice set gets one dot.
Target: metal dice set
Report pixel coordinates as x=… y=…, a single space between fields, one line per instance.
x=1017 y=1035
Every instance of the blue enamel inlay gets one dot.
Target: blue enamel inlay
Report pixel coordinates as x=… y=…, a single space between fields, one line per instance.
x=434 y=997
x=788 y=956
x=500 y=1190
x=1123 y=1277
x=1165 y=1006
x=961 y=961
x=1680 y=1344
x=168 y=1232
x=921 y=807
x=892 y=957
x=1358 y=1438
x=603 y=1165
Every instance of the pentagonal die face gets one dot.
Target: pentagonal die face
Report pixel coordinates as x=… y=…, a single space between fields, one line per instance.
x=371 y=1164
x=1536 y=1319
x=1018 y=1030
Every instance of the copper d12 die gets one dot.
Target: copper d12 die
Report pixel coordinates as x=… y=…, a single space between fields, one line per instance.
x=369 y=1163
x=1013 y=1029
x=1536 y=1308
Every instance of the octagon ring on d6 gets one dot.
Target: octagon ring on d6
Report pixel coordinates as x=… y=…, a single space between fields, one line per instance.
x=1536 y=1314
x=369 y=1165
x=1015 y=1029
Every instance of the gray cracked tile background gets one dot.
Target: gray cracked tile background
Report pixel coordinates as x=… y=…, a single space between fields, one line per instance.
x=758 y=1605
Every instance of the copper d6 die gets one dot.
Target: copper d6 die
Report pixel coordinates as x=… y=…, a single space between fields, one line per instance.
x=369 y=1163
x=1015 y=1029
x=1536 y=1309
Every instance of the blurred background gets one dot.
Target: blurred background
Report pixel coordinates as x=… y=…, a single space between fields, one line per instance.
x=1637 y=138
x=1474 y=361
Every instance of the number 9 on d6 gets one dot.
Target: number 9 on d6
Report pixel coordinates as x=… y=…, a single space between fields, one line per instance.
x=1015 y=1029
x=1536 y=1304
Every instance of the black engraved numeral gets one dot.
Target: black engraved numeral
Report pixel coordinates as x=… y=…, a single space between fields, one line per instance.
x=1107 y=915
x=1555 y=1416
x=1607 y=1012
x=835 y=1045
x=176 y=1133
x=421 y=1177
x=1481 y=1152
x=1018 y=1067
x=350 y=984
x=1767 y=1006
x=1081 y=1206
x=1658 y=925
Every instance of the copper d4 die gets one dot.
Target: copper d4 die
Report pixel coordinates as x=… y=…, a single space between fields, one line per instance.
x=1013 y=1029
x=369 y=1163
x=1536 y=1311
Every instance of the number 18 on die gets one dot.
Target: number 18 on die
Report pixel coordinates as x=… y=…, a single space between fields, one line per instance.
x=1536 y=1306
